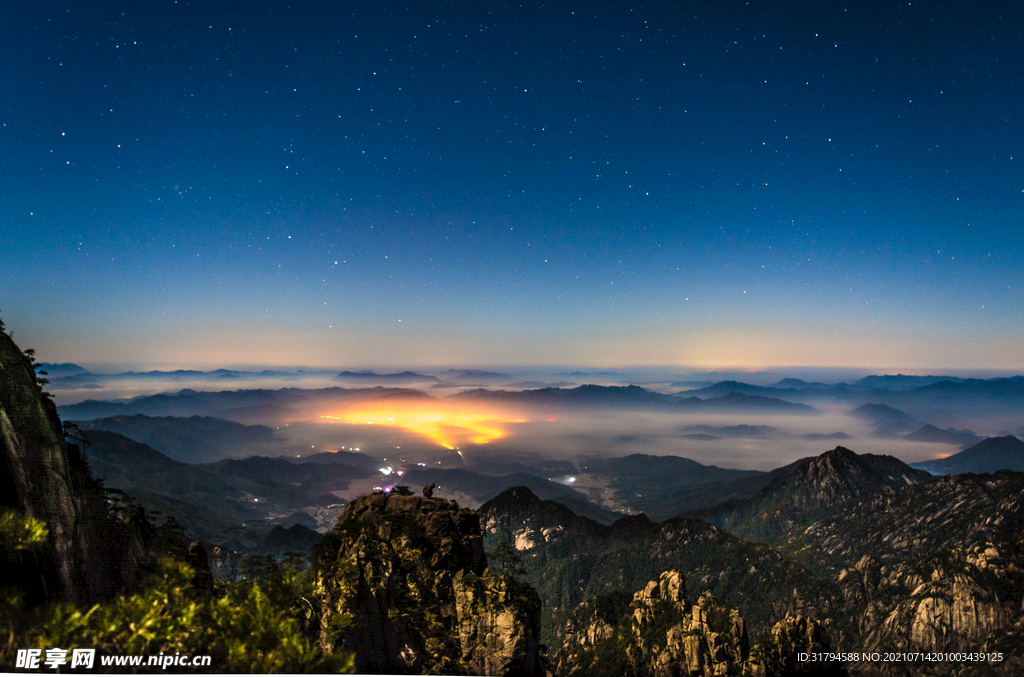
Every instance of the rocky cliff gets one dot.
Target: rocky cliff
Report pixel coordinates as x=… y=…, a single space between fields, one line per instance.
x=660 y=634
x=93 y=549
x=960 y=601
x=403 y=582
x=570 y=559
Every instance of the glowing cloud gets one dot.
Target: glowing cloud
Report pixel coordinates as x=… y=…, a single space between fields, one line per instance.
x=448 y=425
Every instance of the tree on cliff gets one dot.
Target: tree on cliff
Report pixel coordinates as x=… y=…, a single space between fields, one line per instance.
x=510 y=562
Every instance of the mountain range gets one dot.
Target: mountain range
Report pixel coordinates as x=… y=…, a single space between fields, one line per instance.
x=895 y=561
x=724 y=570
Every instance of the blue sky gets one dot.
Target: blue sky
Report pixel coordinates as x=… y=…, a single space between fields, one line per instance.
x=748 y=185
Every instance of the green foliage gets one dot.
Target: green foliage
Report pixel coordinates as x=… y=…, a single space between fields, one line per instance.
x=718 y=615
x=30 y=355
x=73 y=432
x=611 y=606
x=510 y=563
x=18 y=530
x=247 y=628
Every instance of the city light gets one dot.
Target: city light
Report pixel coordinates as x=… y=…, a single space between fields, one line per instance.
x=450 y=426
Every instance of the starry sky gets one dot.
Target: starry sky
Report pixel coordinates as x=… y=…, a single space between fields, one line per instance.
x=691 y=184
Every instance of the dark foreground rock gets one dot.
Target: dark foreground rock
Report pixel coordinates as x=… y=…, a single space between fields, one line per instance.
x=96 y=547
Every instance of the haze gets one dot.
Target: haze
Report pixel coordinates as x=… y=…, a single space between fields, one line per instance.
x=433 y=424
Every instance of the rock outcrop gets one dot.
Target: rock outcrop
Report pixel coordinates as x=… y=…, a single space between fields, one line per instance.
x=403 y=582
x=780 y=652
x=660 y=634
x=961 y=601
x=570 y=559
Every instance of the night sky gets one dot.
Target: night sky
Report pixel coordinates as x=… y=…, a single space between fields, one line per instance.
x=706 y=185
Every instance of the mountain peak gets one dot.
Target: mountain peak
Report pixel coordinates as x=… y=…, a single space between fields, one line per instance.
x=814 y=488
x=841 y=474
x=516 y=497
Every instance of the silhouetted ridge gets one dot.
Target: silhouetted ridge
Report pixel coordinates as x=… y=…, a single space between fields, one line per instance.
x=280 y=540
x=518 y=497
x=636 y=523
x=988 y=456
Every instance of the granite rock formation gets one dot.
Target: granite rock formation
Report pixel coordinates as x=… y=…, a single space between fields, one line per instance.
x=657 y=634
x=403 y=582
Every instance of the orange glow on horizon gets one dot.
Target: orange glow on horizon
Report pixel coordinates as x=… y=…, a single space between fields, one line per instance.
x=447 y=425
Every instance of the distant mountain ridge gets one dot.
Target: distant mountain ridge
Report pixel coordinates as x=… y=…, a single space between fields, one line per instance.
x=237 y=405
x=888 y=421
x=929 y=433
x=940 y=396
x=72 y=376
x=988 y=456
x=403 y=377
x=62 y=369
x=635 y=397
x=901 y=382
x=194 y=439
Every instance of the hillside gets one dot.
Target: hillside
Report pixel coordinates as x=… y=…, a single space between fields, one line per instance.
x=193 y=439
x=812 y=490
x=913 y=522
x=569 y=559
x=228 y=503
x=988 y=456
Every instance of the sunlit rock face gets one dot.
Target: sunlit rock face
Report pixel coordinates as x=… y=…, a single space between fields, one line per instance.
x=659 y=633
x=402 y=581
